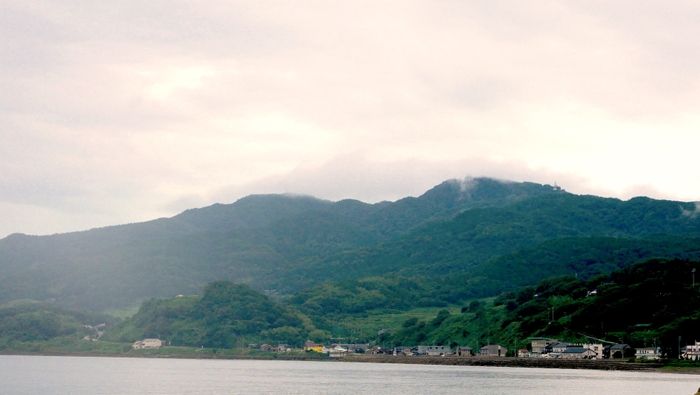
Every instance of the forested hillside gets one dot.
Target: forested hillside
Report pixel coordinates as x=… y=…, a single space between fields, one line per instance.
x=651 y=303
x=226 y=315
x=25 y=322
x=263 y=240
x=457 y=241
x=478 y=236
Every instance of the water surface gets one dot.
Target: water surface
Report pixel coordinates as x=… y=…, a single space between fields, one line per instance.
x=34 y=375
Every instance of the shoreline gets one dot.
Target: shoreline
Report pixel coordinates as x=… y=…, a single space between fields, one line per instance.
x=609 y=365
x=617 y=365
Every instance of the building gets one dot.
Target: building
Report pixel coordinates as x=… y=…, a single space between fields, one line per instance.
x=377 y=350
x=148 y=344
x=493 y=350
x=621 y=351
x=465 y=352
x=539 y=344
x=523 y=353
x=578 y=352
x=337 y=352
x=597 y=348
x=407 y=351
x=312 y=346
x=648 y=353
x=691 y=351
x=352 y=347
x=554 y=350
x=434 y=351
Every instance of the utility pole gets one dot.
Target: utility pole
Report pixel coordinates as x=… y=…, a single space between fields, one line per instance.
x=693 y=271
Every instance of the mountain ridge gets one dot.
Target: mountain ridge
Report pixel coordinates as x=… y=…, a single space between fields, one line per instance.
x=285 y=242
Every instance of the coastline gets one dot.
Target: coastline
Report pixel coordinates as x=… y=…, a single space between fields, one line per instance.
x=610 y=365
x=512 y=362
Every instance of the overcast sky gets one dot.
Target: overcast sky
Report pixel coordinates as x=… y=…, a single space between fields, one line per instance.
x=124 y=111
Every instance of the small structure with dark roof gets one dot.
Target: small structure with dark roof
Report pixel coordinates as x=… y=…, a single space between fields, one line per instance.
x=493 y=350
x=464 y=351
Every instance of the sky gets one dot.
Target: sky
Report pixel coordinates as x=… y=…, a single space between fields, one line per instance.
x=114 y=112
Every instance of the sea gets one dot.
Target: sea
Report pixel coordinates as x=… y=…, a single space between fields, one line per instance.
x=46 y=375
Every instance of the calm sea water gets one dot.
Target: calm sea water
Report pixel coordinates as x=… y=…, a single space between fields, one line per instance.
x=126 y=376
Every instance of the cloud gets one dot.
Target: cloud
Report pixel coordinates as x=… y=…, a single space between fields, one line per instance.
x=130 y=110
x=359 y=177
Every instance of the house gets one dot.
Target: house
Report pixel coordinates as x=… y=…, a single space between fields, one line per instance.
x=578 y=352
x=692 y=352
x=148 y=344
x=434 y=351
x=464 y=351
x=268 y=348
x=407 y=351
x=554 y=350
x=523 y=353
x=648 y=353
x=312 y=346
x=493 y=350
x=377 y=350
x=337 y=352
x=597 y=348
x=539 y=344
x=352 y=347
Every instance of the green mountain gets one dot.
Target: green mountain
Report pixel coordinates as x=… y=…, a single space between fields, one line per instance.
x=582 y=257
x=262 y=240
x=350 y=268
x=458 y=240
x=477 y=236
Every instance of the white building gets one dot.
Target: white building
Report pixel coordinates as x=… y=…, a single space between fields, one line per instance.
x=692 y=352
x=647 y=353
x=148 y=344
x=597 y=348
x=434 y=350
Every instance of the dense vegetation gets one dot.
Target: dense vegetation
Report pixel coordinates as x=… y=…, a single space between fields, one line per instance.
x=476 y=236
x=227 y=315
x=652 y=303
x=27 y=322
x=267 y=241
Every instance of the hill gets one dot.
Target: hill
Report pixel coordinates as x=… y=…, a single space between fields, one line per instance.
x=476 y=236
x=651 y=303
x=264 y=240
x=226 y=315
x=25 y=324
